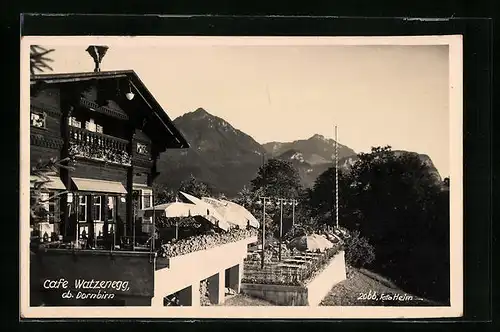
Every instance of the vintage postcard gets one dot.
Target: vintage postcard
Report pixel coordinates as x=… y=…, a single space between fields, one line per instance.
x=241 y=177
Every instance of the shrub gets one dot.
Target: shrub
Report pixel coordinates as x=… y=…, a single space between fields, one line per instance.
x=202 y=242
x=299 y=230
x=359 y=252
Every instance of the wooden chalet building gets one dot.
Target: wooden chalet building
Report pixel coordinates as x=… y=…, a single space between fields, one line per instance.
x=115 y=130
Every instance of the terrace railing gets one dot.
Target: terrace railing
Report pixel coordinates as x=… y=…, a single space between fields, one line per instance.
x=92 y=145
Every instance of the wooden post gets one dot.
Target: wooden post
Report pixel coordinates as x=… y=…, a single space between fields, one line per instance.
x=113 y=216
x=263 y=230
x=336 y=181
x=176 y=229
x=154 y=225
x=66 y=173
x=134 y=209
x=76 y=201
x=281 y=226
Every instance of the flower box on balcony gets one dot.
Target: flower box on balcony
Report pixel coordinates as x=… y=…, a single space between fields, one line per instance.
x=97 y=146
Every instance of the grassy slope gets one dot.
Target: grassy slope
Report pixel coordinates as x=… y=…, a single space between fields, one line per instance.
x=242 y=300
x=346 y=293
x=349 y=292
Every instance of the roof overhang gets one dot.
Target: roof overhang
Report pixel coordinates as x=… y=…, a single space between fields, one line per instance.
x=161 y=117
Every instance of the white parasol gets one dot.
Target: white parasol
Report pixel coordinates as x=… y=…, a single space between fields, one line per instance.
x=172 y=210
x=240 y=214
x=207 y=211
x=312 y=242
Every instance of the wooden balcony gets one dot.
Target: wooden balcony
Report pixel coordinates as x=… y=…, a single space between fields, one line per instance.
x=96 y=146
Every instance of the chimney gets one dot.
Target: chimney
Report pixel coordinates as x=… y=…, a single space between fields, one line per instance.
x=97 y=53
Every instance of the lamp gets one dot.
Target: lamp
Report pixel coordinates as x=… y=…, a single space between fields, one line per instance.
x=97 y=52
x=130 y=95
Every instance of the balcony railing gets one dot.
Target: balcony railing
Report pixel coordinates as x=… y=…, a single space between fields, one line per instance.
x=91 y=145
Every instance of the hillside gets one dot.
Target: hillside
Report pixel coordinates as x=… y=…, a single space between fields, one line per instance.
x=228 y=159
x=224 y=157
x=315 y=150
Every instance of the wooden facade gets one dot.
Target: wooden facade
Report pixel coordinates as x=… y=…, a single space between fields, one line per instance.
x=114 y=143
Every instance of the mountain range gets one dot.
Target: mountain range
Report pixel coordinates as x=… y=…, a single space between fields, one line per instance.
x=228 y=159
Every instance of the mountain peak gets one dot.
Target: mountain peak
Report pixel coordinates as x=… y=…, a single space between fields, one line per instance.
x=200 y=110
x=318 y=137
x=198 y=114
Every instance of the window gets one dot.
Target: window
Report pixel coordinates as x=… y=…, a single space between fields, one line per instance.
x=111 y=214
x=50 y=206
x=83 y=232
x=38 y=119
x=90 y=125
x=97 y=216
x=146 y=200
x=74 y=123
x=97 y=208
x=44 y=200
x=82 y=209
x=46 y=226
x=111 y=204
x=142 y=148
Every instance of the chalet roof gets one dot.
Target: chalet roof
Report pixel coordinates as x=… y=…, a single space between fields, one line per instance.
x=136 y=83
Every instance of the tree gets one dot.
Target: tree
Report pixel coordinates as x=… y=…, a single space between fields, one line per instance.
x=39 y=60
x=277 y=178
x=321 y=199
x=403 y=212
x=246 y=198
x=358 y=251
x=163 y=194
x=303 y=211
x=40 y=179
x=195 y=187
x=393 y=193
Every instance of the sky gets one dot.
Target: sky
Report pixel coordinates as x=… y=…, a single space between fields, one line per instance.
x=376 y=95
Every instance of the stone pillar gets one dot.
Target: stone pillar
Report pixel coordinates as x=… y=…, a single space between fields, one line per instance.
x=190 y=296
x=157 y=301
x=195 y=295
x=235 y=275
x=216 y=289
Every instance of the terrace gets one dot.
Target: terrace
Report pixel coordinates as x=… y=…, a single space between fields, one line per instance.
x=187 y=263
x=154 y=266
x=300 y=278
x=295 y=269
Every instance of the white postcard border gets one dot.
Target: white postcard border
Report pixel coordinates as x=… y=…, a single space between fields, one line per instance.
x=456 y=187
